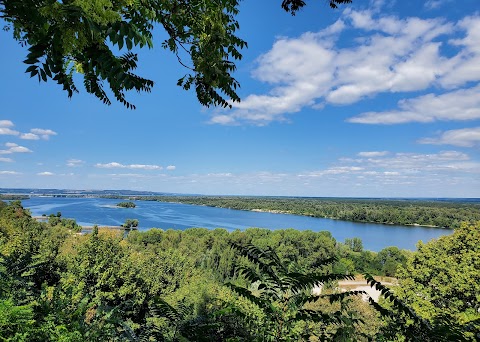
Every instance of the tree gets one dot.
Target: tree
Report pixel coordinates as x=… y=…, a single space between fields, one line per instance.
x=85 y=36
x=293 y=6
x=130 y=224
x=355 y=244
x=389 y=258
x=443 y=279
x=281 y=293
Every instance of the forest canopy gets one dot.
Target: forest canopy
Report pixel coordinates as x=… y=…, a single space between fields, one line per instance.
x=206 y=285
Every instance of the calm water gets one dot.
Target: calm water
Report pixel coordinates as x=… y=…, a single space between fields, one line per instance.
x=90 y=211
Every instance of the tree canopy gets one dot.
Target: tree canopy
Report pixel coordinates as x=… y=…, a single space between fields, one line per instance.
x=214 y=285
x=443 y=277
x=97 y=38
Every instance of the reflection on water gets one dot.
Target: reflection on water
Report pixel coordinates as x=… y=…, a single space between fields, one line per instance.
x=90 y=211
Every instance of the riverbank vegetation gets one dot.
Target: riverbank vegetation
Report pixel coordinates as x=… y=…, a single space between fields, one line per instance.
x=215 y=285
x=447 y=214
x=130 y=224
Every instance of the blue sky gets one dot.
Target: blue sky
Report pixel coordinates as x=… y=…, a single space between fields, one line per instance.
x=378 y=99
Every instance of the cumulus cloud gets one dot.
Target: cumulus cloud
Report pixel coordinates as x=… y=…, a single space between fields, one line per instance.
x=127 y=175
x=115 y=165
x=398 y=170
x=410 y=163
x=463 y=104
x=466 y=137
x=171 y=167
x=6 y=160
x=35 y=133
x=435 y=4
x=373 y=154
x=29 y=136
x=387 y=55
x=333 y=171
x=45 y=134
x=8 y=131
x=6 y=123
x=5 y=128
x=46 y=173
x=9 y=173
x=14 y=148
x=75 y=162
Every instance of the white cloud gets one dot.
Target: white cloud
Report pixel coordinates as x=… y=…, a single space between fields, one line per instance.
x=29 y=136
x=6 y=160
x=373 y=154
x=8 y=131
x=115 y=165
x=19 y=149
x=46 y=173
x=389 y=54
x=75 y=162
x=35 y=133
x=9 y=173
x=171 y=167
x=143 y=167
x=435 y=4
x=466 y=137
x=402 y=173
x=127 y=175
x=463 y=104
x=410 y=163
x=6 y=123
x=5 y=128
x=333 y=171
x=111 y=165
x=45 y=134
x=14 y=148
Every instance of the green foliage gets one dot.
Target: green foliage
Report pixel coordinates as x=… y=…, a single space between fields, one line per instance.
x=293 y=6
x=389 y=259
x=56 y=285
x=442 y=279
x=16 y=322
x=282 y=293
x=126 y=205
x=404 y=323
x=54 y=220
x=83 y=36
x=355 y=244
x=130 y=224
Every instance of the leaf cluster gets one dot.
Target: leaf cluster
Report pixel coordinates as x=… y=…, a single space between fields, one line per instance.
x=83 y=36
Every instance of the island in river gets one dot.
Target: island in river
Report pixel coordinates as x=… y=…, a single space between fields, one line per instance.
x=126 y=205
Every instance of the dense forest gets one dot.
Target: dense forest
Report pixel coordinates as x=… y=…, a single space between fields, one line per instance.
x=57 y=284
x=401 y=212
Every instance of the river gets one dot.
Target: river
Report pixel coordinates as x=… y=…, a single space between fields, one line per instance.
x=151 y=214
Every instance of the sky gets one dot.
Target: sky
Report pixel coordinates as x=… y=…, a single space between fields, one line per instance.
x=374 y=99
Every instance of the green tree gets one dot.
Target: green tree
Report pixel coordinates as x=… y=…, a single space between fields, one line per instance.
x=281 y=293
x=389 y=259
x=443 y=279
x=67 y=36
x=130 y=224
x=355 y=244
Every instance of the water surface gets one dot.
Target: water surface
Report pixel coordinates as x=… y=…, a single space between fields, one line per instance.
x=151 y=214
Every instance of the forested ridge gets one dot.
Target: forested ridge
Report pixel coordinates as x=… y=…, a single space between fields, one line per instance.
x=401 y=212
x=212 y=285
